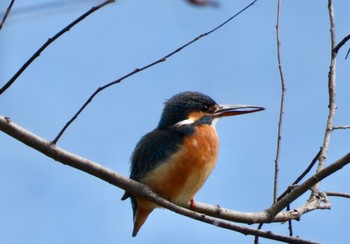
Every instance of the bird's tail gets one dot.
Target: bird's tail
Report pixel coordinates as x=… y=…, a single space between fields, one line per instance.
x=140 y=217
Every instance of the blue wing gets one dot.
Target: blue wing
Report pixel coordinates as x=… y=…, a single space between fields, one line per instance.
x=154 y=148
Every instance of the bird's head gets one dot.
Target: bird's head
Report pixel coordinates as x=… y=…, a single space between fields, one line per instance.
x=191 y=107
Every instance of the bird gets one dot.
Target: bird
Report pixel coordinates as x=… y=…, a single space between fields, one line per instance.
x=176 y=158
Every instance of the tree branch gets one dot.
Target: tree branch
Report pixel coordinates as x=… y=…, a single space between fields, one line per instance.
x=331 y=98
x=135 y=188
x=300 y=177
x=341 y=43
x=6 y=14
x=283 y=89
x=293 y=214
x=341 y=127
x=336 y=194
x=301 y=189
x=48 y=42
x=137 y=70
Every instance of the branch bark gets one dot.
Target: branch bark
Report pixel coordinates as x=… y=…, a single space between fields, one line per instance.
x=331 y=97
x=337 y=194
x=283 y=90
x=135 y=188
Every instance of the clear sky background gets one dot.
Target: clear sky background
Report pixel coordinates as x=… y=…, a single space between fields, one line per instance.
x=43 y=201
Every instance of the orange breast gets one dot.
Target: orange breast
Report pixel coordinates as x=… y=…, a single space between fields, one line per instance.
x=182 y=175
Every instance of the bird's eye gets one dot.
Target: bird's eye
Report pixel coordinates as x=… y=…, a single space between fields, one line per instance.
x=209 y=109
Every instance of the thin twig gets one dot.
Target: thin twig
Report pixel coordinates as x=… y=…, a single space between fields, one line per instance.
x=337 y=194
x=283 y=87
x=295 y=182
x=137 y=70
x=347 y=54
x=6 y=14
x=307 y=184
x=135 y=188
x=256 y=238
x=48 y=42
x=341 y=127
x=341 y=43
x=331 y=97
x=302 y=175
x=280 y=120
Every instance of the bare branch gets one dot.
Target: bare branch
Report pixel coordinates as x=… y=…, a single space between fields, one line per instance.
x=306 y=171
x=283 y=87
x=137 y=70
x=301 y=189
x=331 y=97
x=6 y=14
x=337 y=194
x=259 y=217
x=341 y=127
x=49 y=41
x=341 y=43
x=347 y=54
x=135 y=188
x=293 y=214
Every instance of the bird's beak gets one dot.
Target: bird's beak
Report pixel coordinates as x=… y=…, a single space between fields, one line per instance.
x=231 y=110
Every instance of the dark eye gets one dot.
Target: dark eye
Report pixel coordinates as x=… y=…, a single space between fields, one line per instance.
x=209 y=109
x=212 y=109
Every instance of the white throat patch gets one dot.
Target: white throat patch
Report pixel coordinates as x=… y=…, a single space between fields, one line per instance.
x=213 y=123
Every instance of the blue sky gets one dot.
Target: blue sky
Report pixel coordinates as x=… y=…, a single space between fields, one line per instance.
x=43 y=201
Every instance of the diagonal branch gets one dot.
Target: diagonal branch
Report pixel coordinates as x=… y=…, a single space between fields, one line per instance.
x=135 y=188
x=295 y=214
x=307 y=184
x=341 y=43
x=48 y=42
x=137 y=70
x=300 y=177
x=8 y=10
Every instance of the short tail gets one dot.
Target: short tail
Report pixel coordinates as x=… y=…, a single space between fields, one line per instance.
x=140 y=217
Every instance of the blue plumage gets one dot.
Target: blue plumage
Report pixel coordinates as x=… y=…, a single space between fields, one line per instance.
x=176 y=158
x=154 y=148
x=159 y=144
x=181 y=105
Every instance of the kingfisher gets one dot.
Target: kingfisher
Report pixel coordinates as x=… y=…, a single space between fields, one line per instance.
x=176 y=158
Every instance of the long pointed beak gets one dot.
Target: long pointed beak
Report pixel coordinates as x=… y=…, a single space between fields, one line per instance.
x=232 y=110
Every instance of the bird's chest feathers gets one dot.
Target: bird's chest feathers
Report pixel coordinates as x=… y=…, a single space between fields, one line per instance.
x=180 y=177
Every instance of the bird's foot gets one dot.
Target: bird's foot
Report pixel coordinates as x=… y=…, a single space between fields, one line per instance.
x=192 y=204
